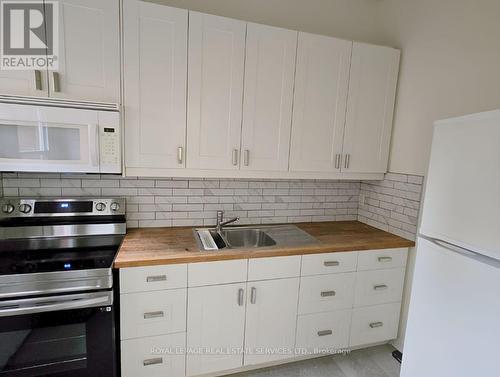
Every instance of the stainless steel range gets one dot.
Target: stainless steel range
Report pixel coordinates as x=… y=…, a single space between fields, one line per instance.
x=56 y=285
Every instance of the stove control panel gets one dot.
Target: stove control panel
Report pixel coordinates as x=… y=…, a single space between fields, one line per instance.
x=22 y=207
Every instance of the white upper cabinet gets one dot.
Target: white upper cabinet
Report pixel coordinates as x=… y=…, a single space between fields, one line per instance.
x=24 y=83
x=321 y=86
x=89 y=49
x=155 y=75
x=268 y=96
x=215 y=91
x=370 y=108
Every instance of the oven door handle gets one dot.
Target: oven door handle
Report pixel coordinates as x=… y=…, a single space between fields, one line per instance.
x=51 y=304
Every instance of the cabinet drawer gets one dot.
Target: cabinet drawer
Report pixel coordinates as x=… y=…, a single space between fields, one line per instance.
x=220 y=272
x=153 y=313
x=323 y=332
x=379 y=287
x=326 y=292
x=374 y=324
x=382 y=259
x=328 y=263
x=153 y=278
x=273 y=268
x=139 y=359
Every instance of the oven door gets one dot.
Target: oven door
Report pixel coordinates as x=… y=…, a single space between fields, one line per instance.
x=68 y=335
x=49 y=139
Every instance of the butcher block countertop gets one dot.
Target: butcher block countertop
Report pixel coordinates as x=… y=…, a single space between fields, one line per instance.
x=156 y=246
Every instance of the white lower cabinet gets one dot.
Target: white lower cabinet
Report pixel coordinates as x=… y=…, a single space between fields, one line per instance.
x=153 y=313
x=270 y=320
x=323 y=332
x=325 y=293
x=218 y=317
x=215 y=328
x=374 y=324
x=156 y=356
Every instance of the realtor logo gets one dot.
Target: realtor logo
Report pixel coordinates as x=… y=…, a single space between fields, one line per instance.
x=29 y=35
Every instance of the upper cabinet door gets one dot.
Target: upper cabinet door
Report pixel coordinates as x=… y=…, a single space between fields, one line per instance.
x=155 y=74
x=268 y=96
x=321 y=85
x=24 y=83
x=370 y=108
x=215 y=91
x=89 y=51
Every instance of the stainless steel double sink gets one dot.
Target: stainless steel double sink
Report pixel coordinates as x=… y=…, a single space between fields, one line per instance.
x=249 y=237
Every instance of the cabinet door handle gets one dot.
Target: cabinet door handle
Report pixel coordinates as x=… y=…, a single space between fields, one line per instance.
x=156 y=360
x=240 y=297
x=331 y=263
x=180 y=155
x=347 y=161
x=56 y=85
x=235 y=157
x=156 y=278
x=157 y=314
x=325 y=332
x=338 y=157
x=328 y=293
x=246 y=157
x=374 y=325
x=38 y=80
x=253 y=295
x=380 y=287
x=384 y=259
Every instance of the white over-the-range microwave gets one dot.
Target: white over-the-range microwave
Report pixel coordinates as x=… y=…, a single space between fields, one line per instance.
x=44 y=135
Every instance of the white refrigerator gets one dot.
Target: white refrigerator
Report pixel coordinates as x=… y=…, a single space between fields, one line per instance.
x=454 y=319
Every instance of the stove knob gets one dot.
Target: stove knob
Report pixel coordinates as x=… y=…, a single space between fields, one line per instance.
x=100 y=206
x=115 y=206
x=25 y=208
x=7 y=208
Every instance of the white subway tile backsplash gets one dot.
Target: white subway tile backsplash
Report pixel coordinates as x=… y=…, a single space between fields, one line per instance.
x=391 y=204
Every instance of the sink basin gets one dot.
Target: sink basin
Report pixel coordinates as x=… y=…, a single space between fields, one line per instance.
x=247 y=238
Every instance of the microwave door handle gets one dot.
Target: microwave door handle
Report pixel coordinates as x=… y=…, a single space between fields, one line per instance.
x=39 y=307
x=94 y=152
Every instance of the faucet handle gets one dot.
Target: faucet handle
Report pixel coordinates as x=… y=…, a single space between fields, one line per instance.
x=220 y=215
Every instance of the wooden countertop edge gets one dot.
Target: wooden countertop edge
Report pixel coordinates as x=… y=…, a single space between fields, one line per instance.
x=200 y=256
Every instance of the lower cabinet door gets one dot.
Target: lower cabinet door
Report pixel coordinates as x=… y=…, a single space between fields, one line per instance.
x=323 y=332
x=374 y=324
x=156 y=356
x=215 y=328
x=271 y=320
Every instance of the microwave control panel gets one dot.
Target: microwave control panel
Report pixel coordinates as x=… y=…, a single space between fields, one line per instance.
x=110 y=147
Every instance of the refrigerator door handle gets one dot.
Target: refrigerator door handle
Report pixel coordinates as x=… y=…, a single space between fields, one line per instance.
x=461 y=250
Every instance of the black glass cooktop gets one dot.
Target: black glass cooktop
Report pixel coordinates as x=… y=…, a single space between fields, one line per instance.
x=57 y=254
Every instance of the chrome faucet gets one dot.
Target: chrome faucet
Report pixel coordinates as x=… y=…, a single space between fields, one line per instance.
x=221 y=222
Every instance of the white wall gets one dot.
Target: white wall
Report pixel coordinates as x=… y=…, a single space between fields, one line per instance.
x=450 y=66
x=349 y=19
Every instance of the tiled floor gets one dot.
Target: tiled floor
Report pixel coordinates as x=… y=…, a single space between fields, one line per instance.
x=370 y=362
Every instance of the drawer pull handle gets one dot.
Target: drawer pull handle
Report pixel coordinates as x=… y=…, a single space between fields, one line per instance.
x=153 y=279
x=374 y=325
x=328 y=293
x=384 y=259
x=380 y=287
x=325 y=332
x=330 y=263
x=156 y=360
x=157 y=314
